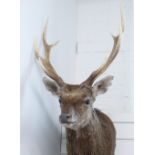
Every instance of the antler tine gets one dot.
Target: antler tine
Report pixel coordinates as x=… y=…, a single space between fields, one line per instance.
x=117 y=41
x=45 y=62
x=47 y=46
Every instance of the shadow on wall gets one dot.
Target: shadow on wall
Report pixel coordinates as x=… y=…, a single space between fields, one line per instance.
x=40 y=132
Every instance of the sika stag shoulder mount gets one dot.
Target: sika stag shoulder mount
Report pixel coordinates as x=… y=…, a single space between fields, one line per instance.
x=89 y=131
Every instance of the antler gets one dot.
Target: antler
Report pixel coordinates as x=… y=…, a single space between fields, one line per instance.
x=117 y=41
x=45 y=62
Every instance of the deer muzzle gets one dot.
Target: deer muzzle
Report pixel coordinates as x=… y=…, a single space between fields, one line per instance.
x=64 y=118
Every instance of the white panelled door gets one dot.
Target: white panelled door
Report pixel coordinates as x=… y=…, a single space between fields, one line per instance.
x=97 y=20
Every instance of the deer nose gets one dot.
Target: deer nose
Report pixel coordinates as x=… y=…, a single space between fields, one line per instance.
x=64 y=118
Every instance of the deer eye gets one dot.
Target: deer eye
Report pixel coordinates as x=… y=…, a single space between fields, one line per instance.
x=87 y=102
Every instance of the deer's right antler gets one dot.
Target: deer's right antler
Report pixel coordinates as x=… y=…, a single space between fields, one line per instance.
x=45 y=62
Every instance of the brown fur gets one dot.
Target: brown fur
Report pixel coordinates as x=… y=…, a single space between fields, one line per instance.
x=93 y=132
x=97 y=138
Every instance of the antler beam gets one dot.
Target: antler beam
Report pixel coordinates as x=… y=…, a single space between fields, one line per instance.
x=45 y=62
x=117 y=42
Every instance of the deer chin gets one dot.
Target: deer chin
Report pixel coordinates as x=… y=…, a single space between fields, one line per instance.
x=76 y=125
x=70 y=125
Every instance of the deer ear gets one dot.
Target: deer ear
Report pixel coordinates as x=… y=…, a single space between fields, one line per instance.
x=51 y=86
x=101 y=86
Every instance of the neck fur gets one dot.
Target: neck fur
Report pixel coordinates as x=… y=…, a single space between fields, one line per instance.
x=91 y=128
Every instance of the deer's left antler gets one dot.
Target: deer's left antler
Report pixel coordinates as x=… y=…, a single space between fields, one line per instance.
x=117 y=42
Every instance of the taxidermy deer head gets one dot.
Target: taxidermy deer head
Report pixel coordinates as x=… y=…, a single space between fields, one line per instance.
x=76 y=101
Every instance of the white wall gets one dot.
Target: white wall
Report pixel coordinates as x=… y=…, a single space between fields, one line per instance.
x=40 y=129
